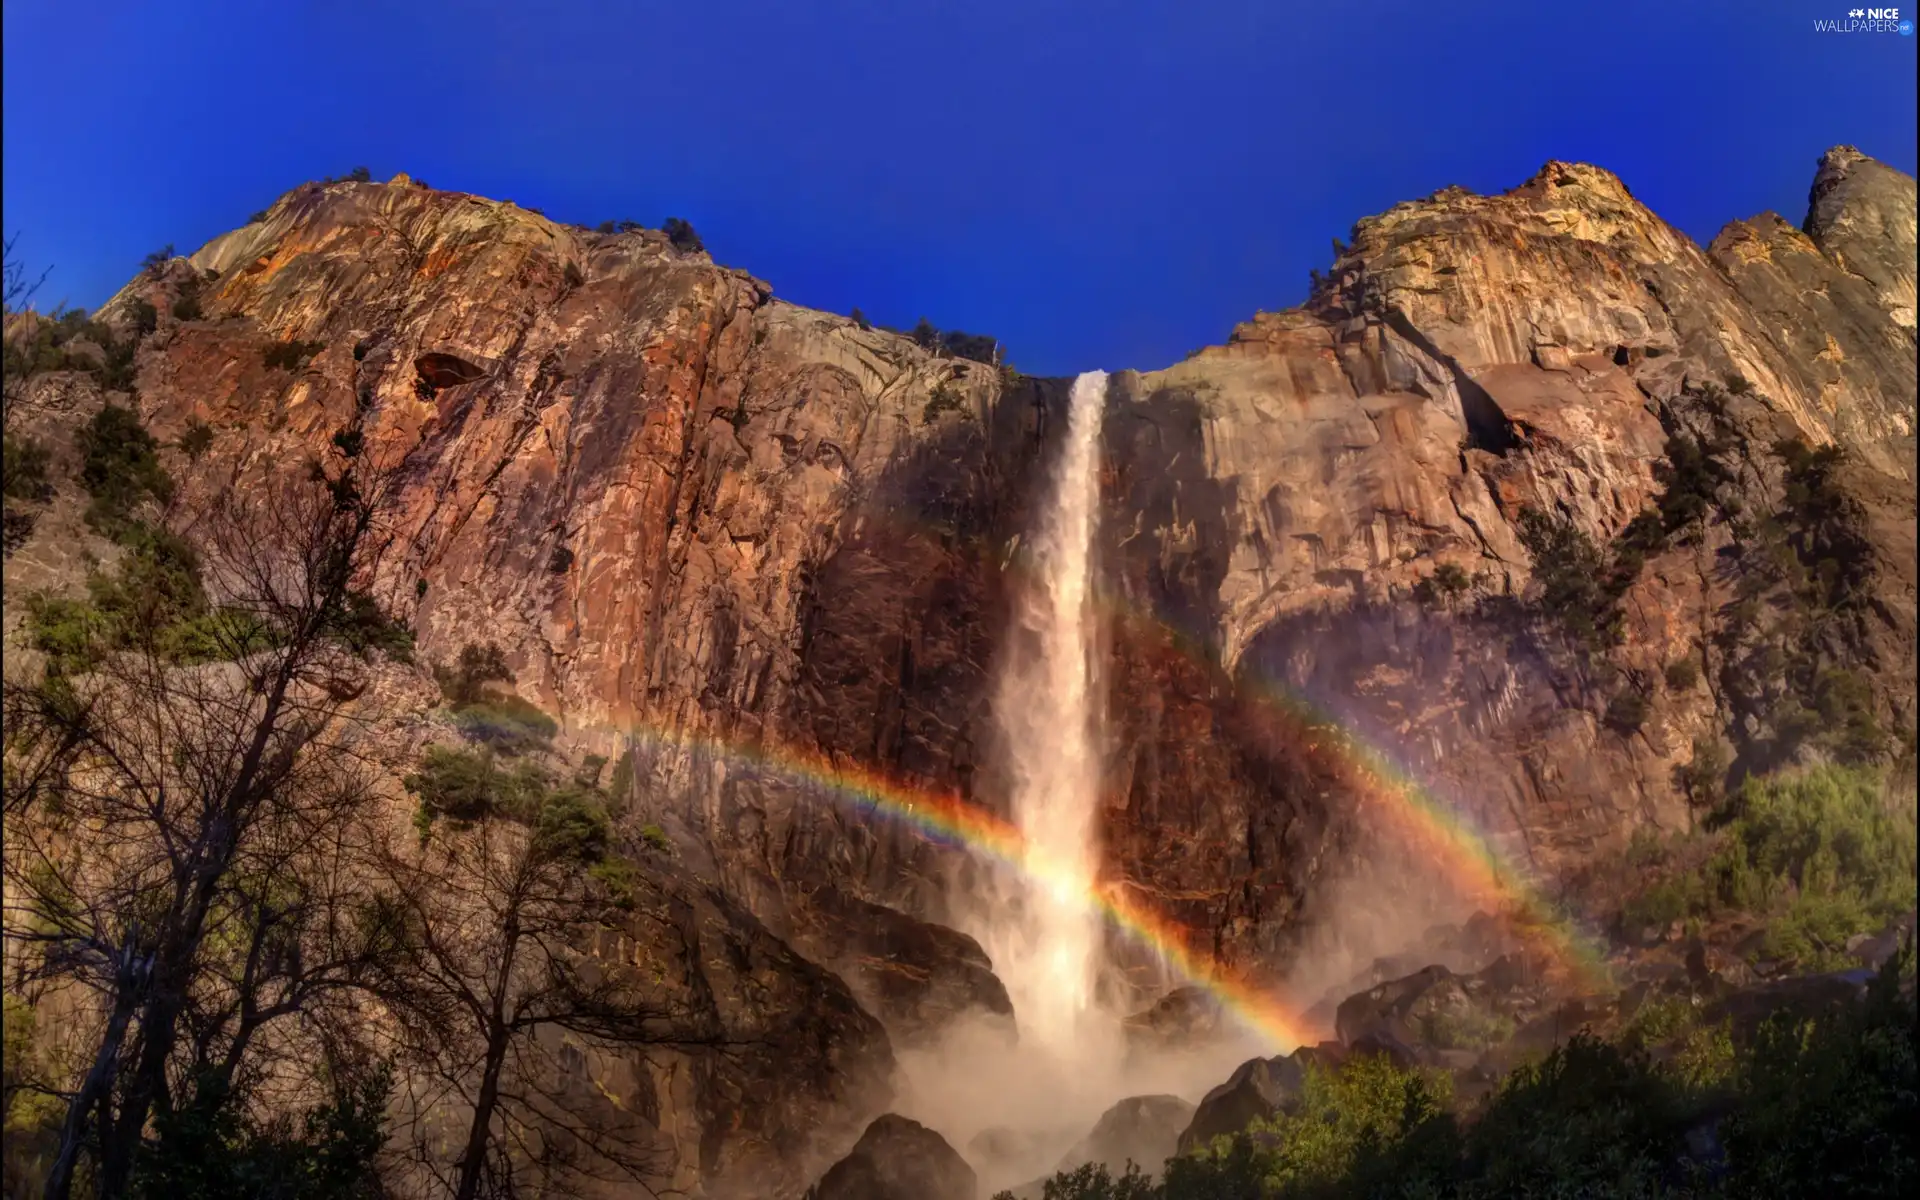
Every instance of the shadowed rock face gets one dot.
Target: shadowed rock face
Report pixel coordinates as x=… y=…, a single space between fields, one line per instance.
x=898 y=1159
x=1139 y=1129
x=686 y=508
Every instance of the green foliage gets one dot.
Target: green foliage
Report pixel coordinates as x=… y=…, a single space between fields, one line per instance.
x=26 y=469
x=1807 y=1109
x=945 y=399
x=588 y=774
x=214 y=1147
x=573 y=276
x=196 y=441
x=363 y=626
x=681 y=234
x=463 y=785
x=1571 y=573
x=187 y=308
x=1804 y=580
x=1591 y=1119
x=32 y=1117
x=1828 y=1107
x=142 y=317
x=1821 y=854
x=1345 y=1117
x=1693 y=477
x=859 y=318
x=1702 y=778
x=1682 y=674
x=120 y=468
x=1094 y=1181
x=1470 y=1029
x=573 y=826
x=257 y=217
x=1627 y=711
x=290 y=355
x=27 y=486
x=655 y=838
x=486 y=715
x=1659 y=1021
x=157 y=262
x=152 y=600
x=465 y=680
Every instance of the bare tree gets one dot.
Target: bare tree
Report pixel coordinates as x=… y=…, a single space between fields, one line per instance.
x=505 y=901
x=156 y=807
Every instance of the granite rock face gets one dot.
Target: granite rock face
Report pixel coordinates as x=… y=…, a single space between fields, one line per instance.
x=1139 y=1129
x=765 y=551
x=898 y=1159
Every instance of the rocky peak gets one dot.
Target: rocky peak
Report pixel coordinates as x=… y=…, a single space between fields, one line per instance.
x=1861 y=213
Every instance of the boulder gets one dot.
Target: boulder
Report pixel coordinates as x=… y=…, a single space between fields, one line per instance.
x=1256 y=1090
x=1182 y=1019
x=916 y=976
x=898 y=1159
x=1141 y=1129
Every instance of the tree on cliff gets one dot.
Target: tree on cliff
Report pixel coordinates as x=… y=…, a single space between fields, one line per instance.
x=177 y=820
x=512 y=900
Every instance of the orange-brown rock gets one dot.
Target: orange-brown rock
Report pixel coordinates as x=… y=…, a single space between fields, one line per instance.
x=755 y=544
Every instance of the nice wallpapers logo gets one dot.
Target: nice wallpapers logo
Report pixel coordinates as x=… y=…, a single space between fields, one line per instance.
x=1868 y=20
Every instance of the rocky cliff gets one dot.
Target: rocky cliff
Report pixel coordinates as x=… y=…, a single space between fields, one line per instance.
x=720 y=532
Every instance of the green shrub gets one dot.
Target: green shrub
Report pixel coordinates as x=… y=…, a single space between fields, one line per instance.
x=944 y=399
x=1591 y=1119
x=656 y=839
x=462 y=785
x=1570 y=573
x=573 y=276
x=187 y=308
x=26 y=469
x=682 y=236
x=364 y=627
x=466 y=679
x=1627 y=711
x=572 y=826
x=1470 y=1029
x=157 y=262
x=1346 y=1117
x=120 y=468
x=1827 y=1107
x=214 y=1146
x=1682 y=674
x=71 y=633
x=1821 y=854
x=196 y=441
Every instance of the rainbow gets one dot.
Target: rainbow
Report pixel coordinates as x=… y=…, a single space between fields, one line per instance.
x=1464 y=856
x=1264 y=1010
x=947 y=818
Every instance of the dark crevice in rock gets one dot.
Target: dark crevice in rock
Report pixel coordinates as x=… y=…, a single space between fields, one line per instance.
x=447 y=370
x=1488 y=427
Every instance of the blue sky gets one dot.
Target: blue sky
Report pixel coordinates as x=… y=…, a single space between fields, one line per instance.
x=1099 y=185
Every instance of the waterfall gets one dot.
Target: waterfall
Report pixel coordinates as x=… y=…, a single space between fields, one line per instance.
x=1045 y=941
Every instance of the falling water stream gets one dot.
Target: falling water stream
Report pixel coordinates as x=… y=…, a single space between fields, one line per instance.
x=1031 y=1099
x=1045 y=949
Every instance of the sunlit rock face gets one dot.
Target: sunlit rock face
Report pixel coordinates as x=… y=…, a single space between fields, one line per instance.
x=775 y=545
